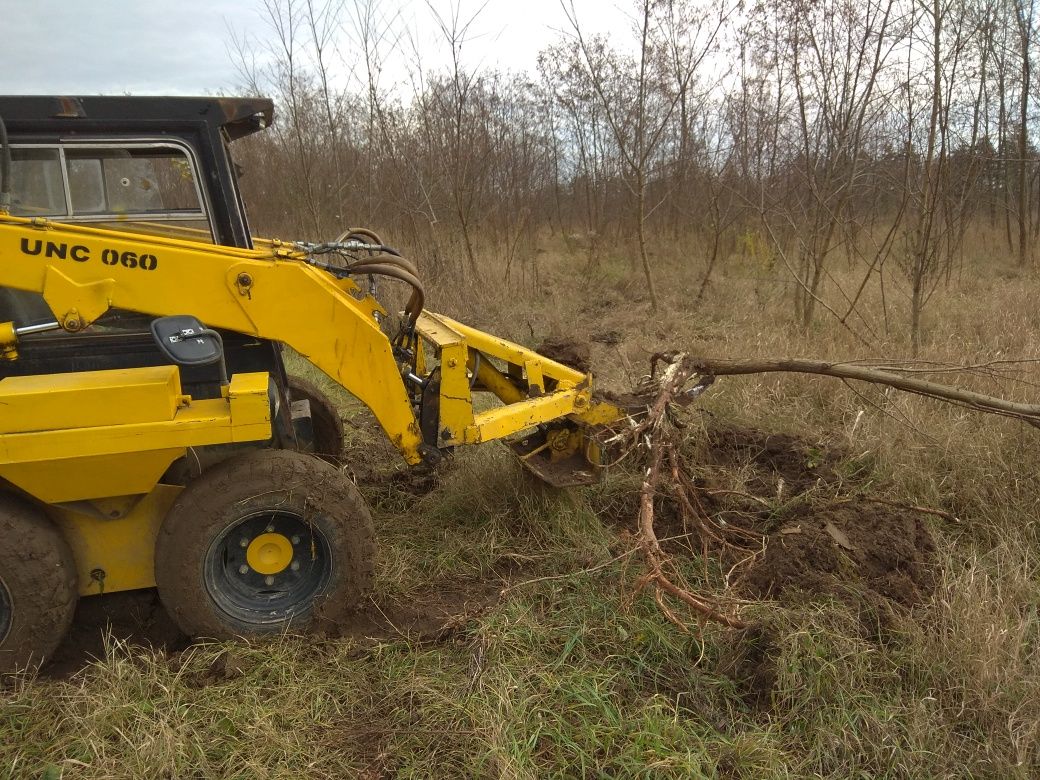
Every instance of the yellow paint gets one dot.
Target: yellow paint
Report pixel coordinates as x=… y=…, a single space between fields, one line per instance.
x=54 y=480
x=76 y=463
x=284 y=300
x=456 y=399
x=507 y=420
x=269 y=553
x=74 y=304
x=121 y=548
x=8 y=341
x=496 y=382
x=570 y=398
x=87 y=399
x=508 y=351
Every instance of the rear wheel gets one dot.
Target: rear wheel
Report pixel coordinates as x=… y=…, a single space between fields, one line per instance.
x=325 y=419
x=38 y=591
x=265 y=542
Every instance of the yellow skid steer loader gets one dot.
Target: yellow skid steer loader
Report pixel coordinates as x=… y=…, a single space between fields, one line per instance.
x=149 y=433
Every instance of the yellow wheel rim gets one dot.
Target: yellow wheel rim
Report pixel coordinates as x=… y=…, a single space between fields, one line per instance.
x=269 y=553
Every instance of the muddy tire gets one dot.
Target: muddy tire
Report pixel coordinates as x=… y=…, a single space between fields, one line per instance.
x=38 y=592
x=328 y=426
x=266 y=542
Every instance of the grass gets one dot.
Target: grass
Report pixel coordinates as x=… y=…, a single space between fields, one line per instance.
x=569 y=673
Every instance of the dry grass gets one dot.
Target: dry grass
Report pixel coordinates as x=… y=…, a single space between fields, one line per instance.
x=568 y=677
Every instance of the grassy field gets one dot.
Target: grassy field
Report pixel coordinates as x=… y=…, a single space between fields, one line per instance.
x=508 y=640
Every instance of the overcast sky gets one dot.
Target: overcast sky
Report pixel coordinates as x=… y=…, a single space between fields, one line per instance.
x=181 y=46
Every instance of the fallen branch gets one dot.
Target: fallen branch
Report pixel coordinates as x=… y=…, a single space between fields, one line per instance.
x=712 y=367
x=924 y=510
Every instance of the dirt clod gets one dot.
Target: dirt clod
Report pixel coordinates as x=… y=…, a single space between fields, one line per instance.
x=609 y=337
x=845 y=548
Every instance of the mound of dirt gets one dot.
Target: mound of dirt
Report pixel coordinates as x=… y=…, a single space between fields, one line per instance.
x=800 y=463
x=569 y=352
x=845 y=549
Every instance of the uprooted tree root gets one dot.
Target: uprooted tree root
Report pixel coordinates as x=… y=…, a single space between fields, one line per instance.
x=656 y=437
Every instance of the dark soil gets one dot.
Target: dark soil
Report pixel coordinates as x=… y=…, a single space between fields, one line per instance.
x=877 y=560
x=801 y=464
x=853 y=549
x=750 y=661
x=135 y=617
x=436 y=613
x=844 y=549
x=610 y=338
x=570 y=352
x=630 y=403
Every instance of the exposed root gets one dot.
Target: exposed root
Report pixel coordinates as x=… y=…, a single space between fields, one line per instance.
x=656 y=437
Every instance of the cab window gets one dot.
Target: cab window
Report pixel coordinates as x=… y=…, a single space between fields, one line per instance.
x=146 y=188
x=37 y=187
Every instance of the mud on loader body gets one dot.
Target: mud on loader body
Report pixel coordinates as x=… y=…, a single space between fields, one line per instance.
x=149 y=434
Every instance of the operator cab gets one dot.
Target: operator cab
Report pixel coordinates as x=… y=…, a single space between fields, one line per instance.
x=149 y=165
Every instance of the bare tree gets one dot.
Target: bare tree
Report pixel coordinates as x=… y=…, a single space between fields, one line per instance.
x=636 y=113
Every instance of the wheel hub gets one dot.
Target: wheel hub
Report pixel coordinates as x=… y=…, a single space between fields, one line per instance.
x=268 y=567
x=6 y=611
x=269 y=553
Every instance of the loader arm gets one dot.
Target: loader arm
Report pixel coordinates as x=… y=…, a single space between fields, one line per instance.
x=276 y=293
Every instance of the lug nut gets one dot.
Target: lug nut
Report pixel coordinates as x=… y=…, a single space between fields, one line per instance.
x=295 y=566
x=243 y=542
x=243 y=569
x=296 y=540
x=270 y=528
x=269 y=580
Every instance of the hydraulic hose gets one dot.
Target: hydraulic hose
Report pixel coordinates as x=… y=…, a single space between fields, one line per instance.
x=395 y=260
x=370 y=236
x=381 y=260
x=417 y=300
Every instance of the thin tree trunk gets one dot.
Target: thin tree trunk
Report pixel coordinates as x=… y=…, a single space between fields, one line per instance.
x=641 y=234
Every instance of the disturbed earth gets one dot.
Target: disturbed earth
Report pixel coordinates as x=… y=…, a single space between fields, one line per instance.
x=817 y=542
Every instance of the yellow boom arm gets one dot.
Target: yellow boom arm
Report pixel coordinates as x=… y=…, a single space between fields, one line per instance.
x=274 y=293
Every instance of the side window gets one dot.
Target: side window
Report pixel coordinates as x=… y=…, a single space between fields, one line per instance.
x=137 y=188
x=37 y=187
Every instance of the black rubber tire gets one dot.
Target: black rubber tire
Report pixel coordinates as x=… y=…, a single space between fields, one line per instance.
x=38 y=577
x=277 y=481
x=328 y=425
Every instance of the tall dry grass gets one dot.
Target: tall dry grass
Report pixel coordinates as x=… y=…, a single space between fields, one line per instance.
x=568 y=676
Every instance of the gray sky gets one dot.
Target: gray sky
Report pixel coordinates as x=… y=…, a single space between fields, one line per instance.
x=180 y=46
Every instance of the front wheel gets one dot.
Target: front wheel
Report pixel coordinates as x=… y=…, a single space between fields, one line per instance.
x=263 y=543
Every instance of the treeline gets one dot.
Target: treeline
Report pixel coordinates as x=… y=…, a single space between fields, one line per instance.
x=806 y=134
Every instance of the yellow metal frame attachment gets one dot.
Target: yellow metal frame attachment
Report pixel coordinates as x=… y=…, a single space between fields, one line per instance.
x=535 y=393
